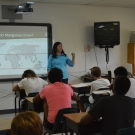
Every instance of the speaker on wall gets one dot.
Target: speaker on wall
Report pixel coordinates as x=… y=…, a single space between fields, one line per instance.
x=107 y=34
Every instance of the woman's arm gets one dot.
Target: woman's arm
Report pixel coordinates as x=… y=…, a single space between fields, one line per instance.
x=71 y=62
x=73 y=58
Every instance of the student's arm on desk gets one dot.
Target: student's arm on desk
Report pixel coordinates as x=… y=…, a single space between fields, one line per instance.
x=85 y=120
x=79 y=103
x=95 y=113
x=38 y=100
x=16 y=88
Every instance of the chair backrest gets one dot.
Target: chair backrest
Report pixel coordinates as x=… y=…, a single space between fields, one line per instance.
x=60 y=124
x=5 y=132
x=104 y=88
x=96 y=97
x=126 y=131
x=110 y=76
x=20 y=94
x=33 y=94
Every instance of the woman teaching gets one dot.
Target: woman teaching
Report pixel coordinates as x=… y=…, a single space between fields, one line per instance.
x=59 y=59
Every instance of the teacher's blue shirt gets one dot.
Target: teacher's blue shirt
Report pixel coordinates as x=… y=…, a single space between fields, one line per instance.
x=60 y=62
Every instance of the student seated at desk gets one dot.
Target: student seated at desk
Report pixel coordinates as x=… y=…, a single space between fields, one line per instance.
x=122 y=71
x=117 y=111
x=57 y=94
x=30 y=82
x=27 y=123
x=97 y=84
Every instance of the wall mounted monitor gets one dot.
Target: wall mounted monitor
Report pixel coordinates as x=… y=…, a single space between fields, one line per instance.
x=107 y=34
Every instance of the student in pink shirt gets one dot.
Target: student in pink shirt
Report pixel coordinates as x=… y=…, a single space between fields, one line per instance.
x=58 y=95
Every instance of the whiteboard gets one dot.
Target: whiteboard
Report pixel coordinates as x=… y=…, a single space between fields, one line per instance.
x=24 y=46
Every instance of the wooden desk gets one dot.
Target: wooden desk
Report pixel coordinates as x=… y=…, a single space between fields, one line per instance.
x=81 y=88
x=34 y=107
x=73 y=121
x=5 y=123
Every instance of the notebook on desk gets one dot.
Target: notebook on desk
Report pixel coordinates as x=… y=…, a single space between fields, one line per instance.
x=81 y=85
x=102 y=92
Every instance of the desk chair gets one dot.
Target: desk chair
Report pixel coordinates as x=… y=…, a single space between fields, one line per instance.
x=126 y=131
x=96 y=97
x=25 y=102
x=5 y=132
x=21 y=95
x=60 y=123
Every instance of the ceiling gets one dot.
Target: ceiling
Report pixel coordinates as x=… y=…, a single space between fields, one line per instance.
x=111 y=3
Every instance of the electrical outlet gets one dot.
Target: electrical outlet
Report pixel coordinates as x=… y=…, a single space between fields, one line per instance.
x=87 y=48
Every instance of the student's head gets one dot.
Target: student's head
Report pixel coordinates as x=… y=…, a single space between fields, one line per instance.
x=120 y=71
x=57 y=48
x=28 y=73
x=121 y=85
x=55 y=75
x=27 y=123
x=95 y=72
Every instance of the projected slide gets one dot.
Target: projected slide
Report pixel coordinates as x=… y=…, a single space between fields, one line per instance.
x=20 y=51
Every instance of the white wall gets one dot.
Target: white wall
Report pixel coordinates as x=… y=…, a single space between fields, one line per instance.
x=73 y=26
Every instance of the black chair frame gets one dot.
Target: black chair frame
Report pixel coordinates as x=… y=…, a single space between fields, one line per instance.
x=21 y=96
x=60 y=122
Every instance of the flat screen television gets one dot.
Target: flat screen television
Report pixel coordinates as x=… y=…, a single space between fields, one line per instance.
x=107 y=34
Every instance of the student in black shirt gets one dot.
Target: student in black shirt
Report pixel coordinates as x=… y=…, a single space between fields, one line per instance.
x=117 y=111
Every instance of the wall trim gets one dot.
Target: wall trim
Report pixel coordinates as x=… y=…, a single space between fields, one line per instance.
x=8 y=111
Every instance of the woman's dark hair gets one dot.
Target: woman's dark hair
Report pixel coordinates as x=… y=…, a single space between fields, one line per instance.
x=55 y=75
x=28 y=73
x=120 y=71
x=122 y=85
x=95 y=71
x=54 y=50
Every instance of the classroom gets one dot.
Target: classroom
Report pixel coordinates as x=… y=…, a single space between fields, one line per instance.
x=73 y=25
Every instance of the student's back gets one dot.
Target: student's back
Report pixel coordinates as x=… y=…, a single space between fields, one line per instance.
x=117 y=112
x=98 y=83
x=31 y=85
x=58 y=95
x=131 y=92
x=30 y=82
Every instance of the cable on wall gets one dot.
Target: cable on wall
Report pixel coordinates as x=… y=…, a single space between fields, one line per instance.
x=96 y=56
x=76 y=77
x=106 y=67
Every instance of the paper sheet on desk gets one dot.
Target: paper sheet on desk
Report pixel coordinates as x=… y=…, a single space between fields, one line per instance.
x=102 y=92
x=81 y=85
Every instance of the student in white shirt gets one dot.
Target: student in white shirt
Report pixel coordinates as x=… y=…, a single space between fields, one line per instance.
x=30 y=82
x=98 y=83
x=122 y=71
